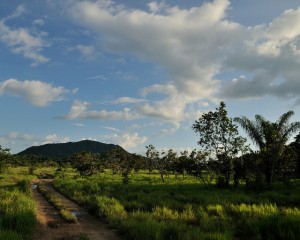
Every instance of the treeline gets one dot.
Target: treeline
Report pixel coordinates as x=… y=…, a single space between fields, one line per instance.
x=224 y=156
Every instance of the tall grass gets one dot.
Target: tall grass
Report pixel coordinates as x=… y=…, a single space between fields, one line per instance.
x=17 y=211
x=185 y=209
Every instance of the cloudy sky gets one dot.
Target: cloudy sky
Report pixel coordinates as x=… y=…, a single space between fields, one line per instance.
x=136 y=73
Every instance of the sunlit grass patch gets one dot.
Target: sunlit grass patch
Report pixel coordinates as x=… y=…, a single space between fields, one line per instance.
x=17 y=211
x=184 y=209
x=110 y=209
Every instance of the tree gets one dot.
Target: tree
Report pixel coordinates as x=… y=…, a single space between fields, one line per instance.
x=123 y=161
x=4 y=158
x=220 y=138
x=271 y=138
x=179 y=166
x=86 y=163
x=296 y=146
x=197 y=166
x=163 y=164
x=152 y=156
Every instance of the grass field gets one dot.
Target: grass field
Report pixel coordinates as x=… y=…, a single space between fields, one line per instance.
x=17 y=206
x=186 y=209
x=181 y=208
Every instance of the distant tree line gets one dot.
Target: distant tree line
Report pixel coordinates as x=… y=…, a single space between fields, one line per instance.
x=224 y=156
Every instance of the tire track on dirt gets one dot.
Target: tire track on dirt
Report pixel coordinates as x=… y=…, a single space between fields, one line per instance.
x=51 y=226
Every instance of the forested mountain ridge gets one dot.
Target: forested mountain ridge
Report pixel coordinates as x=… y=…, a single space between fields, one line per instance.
x=63 y=150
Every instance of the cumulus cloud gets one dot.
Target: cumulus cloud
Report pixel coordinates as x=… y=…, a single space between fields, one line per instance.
x=22 y=41
x=53 y=138
x=15 y=138
x=35 y=92
x=187 y=43
x=271 y=59
x=194 y=46
x=80 y=110
x=127 y=140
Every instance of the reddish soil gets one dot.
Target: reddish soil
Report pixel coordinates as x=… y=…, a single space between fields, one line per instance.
x=51 y=226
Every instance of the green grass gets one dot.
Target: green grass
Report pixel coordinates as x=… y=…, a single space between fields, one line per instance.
x=17 y=206
x=185 y=208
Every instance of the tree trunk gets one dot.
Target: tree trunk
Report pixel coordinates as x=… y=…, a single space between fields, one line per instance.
x=162 y=177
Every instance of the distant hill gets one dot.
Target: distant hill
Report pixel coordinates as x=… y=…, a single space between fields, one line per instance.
x=63 y=150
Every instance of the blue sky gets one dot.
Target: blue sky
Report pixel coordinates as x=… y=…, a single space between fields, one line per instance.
x=136 y=73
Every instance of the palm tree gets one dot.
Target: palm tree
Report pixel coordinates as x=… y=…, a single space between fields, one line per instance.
x=271 y=138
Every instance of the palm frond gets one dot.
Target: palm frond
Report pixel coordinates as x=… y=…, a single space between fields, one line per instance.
x=283 y=120
x=252 y=129
x=293 y=127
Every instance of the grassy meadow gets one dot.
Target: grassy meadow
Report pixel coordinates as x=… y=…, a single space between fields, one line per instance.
x=146 y=208
x=17 y=205
x=184 y=208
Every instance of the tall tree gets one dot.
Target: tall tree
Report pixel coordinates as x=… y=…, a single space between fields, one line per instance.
x=271 y=138
x=123 y=161
x=152 y=155
x=220 y=138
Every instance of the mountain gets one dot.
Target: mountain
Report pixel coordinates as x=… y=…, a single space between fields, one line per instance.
x=63 y=150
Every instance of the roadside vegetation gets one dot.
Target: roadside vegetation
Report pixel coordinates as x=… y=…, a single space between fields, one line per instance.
x=17 y=207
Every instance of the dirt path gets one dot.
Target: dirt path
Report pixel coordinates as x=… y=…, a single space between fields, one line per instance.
x=52 y=227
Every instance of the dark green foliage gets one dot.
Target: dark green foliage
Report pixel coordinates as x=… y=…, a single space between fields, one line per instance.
x=271 y=138
x=219 y=137
x=122 y=162
x=196 y=165
x=5 y=158
x=296 y=146
x=86 y=163
x=152 y=156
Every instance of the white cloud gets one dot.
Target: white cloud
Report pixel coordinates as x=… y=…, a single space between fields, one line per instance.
x=188 y=44
x=21 y=41
x=172 y=130
x=39 y=22
x=79 y=110
x=13 y=135
x=88 y=52
x=20 y=10
x=53 y=138
x=110 y=128
x=194 y=46
x=271 y=57
x=123 y=100
x=127 y=140
x=16 y=139
x=35 y=92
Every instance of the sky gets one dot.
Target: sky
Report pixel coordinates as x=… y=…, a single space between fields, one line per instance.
x=135 y=73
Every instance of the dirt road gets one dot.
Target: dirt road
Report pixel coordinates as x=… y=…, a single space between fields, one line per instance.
x=51 y=226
